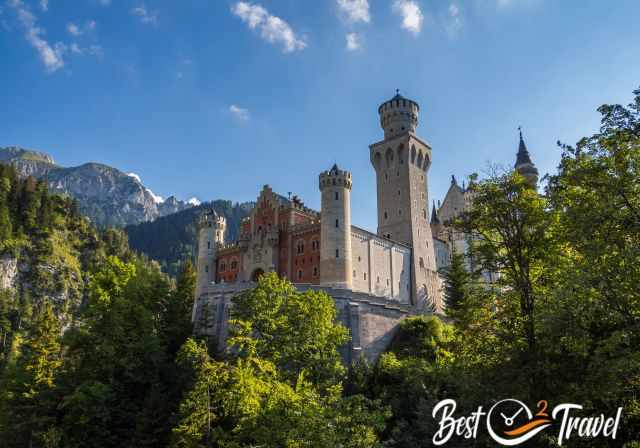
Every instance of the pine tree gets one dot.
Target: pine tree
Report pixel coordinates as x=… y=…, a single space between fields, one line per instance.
x=6 y=228
x=457 y=281
x=30 y=398
x=177 y=312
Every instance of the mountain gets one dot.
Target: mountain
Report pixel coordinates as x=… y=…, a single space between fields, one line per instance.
x=108 y=196
x=171 y=239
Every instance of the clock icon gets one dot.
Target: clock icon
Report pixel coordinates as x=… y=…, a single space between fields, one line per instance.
x=510 y=422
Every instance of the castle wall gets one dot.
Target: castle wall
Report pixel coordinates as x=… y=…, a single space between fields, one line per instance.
x=380 y=267
x=372 y=321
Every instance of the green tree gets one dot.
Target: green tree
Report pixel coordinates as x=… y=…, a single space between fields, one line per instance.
x=508 y=231
x=457 y=283
x=177 y=311
x=295 y=330
x=31 y=397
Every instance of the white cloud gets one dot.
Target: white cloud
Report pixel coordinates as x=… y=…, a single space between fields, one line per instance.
x=44 y=5
x=146 y=16
x=355 y=10
x=73 y=29
x=353 y=42
x=105 y=2
x=50 y=55
x=91 y=50
x=454 y=22
x=239 y=112
x=194 y=201
x=272 y=29
x=412 y=17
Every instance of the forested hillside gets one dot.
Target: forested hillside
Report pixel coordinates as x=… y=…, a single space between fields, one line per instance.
x=171 y=239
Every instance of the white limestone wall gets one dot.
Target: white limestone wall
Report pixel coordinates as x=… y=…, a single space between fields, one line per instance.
x=380 y=267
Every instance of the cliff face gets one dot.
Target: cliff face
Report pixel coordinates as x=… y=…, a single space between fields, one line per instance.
x=108 y=196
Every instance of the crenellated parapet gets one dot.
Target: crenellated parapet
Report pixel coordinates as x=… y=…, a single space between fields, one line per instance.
x=398 y=116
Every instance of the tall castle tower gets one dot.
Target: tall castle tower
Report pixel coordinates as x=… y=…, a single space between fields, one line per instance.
x=335 y=229
x=211 y=228
x=401 y=162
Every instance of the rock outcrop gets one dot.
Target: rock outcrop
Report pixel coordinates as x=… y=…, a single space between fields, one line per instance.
x=108 y=196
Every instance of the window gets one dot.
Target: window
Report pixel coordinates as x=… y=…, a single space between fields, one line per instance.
x=300 y=247
x=299 y=275
x=354 y=273
x=424 y=213
x=386 y=215
x=337 y=223
x=223 y=267
x=387 y=282
x=206 y=268
x=234 y=264
x=378 y=279
x=208 y=244
x=337 y=253
x=421 y=262
x=359 y=259
x=337 y=195
x=365 y=275
x=315 y=272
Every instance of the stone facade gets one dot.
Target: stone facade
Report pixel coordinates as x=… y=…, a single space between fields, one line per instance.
x=371 y=320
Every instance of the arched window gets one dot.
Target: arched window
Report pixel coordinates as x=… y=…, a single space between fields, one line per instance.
x=389 y=156
x=401 y=154
x=421 y=262
x=337 y=253
x=337 y=223
x=413 y=154
x=337 y=195
x=378 y=159
x=419 y=161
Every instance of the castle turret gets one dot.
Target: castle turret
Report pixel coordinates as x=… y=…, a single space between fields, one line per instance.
x=335 y=229
x=399 y=115
x=524 y=165
x=211 y=228
x=401 y=162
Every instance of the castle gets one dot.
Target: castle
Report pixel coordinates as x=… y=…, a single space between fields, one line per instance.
x=375 y=279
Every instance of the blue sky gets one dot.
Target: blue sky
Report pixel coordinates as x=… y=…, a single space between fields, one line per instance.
x=214 y=98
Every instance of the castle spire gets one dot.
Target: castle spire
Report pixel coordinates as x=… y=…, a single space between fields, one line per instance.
x=453 y=180
x=523 y=164
x=434 y=215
